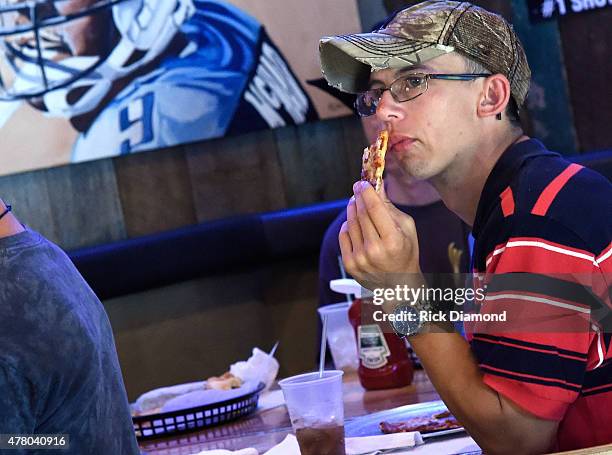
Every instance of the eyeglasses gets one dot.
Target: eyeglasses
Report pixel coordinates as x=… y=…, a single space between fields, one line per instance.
x=405 y=88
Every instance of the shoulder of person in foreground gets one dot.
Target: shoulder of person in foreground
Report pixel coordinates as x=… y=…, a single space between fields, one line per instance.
x=58 y=351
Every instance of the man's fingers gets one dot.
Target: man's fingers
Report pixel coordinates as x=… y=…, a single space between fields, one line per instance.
x=353 y=225
x=346 y=246
x=376 y=209
x=368 y=230
x=377 y=237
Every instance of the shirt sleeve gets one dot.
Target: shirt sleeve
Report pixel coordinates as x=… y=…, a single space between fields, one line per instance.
x=16 y=402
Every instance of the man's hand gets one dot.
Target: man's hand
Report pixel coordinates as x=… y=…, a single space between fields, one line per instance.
x=378 y=242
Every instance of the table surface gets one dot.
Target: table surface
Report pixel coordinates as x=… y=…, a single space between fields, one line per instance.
x=264 y=429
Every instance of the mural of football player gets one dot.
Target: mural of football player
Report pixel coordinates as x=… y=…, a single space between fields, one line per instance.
x=134 y=75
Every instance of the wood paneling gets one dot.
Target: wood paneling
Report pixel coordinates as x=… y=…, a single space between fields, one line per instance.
x=498 y=6
x=291 y=300
x=502 y=7
x=235 y=175
x=29 y=195
x=354 y=143
x=548 y=99
x=84 y=203
x=587 y=51
x=155 y=191
x=315 y=160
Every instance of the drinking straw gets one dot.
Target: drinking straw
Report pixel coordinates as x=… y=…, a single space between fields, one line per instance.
x=323 y=346
x=343 y=275
x=341 y=265
x=273 y=349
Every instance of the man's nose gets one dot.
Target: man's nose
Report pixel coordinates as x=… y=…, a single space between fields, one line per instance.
x=388 y=109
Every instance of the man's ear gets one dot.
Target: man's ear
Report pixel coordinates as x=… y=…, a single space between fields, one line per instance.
x=495 y=96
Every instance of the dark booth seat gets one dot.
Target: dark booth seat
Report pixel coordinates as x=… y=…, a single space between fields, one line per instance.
x=600 y=161
x=209 y=248
x=222 y=246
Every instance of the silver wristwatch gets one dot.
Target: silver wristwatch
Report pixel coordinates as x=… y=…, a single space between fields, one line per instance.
x=407 y=321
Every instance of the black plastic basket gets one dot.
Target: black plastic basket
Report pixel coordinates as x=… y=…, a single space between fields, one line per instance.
x=193 y=419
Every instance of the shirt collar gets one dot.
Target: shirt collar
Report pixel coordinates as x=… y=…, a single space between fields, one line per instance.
x=501 y=176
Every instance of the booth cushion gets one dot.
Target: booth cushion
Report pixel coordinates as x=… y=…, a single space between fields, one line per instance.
x=222 y=246
x=599 y=161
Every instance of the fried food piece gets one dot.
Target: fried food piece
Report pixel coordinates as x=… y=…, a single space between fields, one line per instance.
x=373 y=160
x=226 y=381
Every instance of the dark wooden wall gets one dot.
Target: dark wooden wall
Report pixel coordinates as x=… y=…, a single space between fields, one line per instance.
x=587 y=51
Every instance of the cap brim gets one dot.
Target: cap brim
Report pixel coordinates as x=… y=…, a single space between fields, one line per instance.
x=348 y=60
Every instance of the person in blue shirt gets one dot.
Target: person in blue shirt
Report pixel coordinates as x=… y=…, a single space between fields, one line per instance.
x=59 y=372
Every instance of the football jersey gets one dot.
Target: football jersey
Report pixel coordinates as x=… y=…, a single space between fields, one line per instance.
x=229 y=79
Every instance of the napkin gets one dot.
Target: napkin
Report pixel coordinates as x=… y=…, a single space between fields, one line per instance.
x=205 y=397
x=229 y=452
x=288 y=446
x=155 y=399
x=365 y=444
x=271 y=399
x=261 y=366
x=355 y=446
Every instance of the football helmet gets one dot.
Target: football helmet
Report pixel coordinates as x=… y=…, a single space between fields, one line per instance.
x=37 y=60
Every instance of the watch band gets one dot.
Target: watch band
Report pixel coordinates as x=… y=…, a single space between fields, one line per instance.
x=407 y=321
x=6 y=211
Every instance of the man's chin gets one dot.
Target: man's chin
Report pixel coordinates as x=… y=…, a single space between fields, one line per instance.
x=417 y=170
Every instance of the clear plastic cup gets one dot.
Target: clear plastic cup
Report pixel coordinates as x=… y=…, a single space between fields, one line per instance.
x=340 y=336
x=316 y=411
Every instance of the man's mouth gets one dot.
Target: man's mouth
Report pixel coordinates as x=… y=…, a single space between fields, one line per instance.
x=401 y=144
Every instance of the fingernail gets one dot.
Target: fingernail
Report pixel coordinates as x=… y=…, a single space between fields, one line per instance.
x=357 y=187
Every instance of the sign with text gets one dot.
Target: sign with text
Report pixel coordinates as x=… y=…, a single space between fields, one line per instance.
x=541 y=10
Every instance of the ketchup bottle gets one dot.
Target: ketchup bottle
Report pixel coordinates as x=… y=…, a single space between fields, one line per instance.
x=384 y=360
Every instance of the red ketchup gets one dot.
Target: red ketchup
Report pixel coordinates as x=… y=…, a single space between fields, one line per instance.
x=384 y=360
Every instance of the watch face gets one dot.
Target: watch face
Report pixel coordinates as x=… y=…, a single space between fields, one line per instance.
x=407 y=321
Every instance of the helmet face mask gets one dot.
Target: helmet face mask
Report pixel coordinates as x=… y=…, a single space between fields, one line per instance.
x=50 y=49
x=37 y=47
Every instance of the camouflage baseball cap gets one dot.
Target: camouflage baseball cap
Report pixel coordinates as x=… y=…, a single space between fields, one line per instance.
x=422 y=32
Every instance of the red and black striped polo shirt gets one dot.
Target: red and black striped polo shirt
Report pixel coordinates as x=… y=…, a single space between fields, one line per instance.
x=543 y=251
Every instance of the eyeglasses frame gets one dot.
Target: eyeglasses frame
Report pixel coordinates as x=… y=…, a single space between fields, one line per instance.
x=427 y=76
